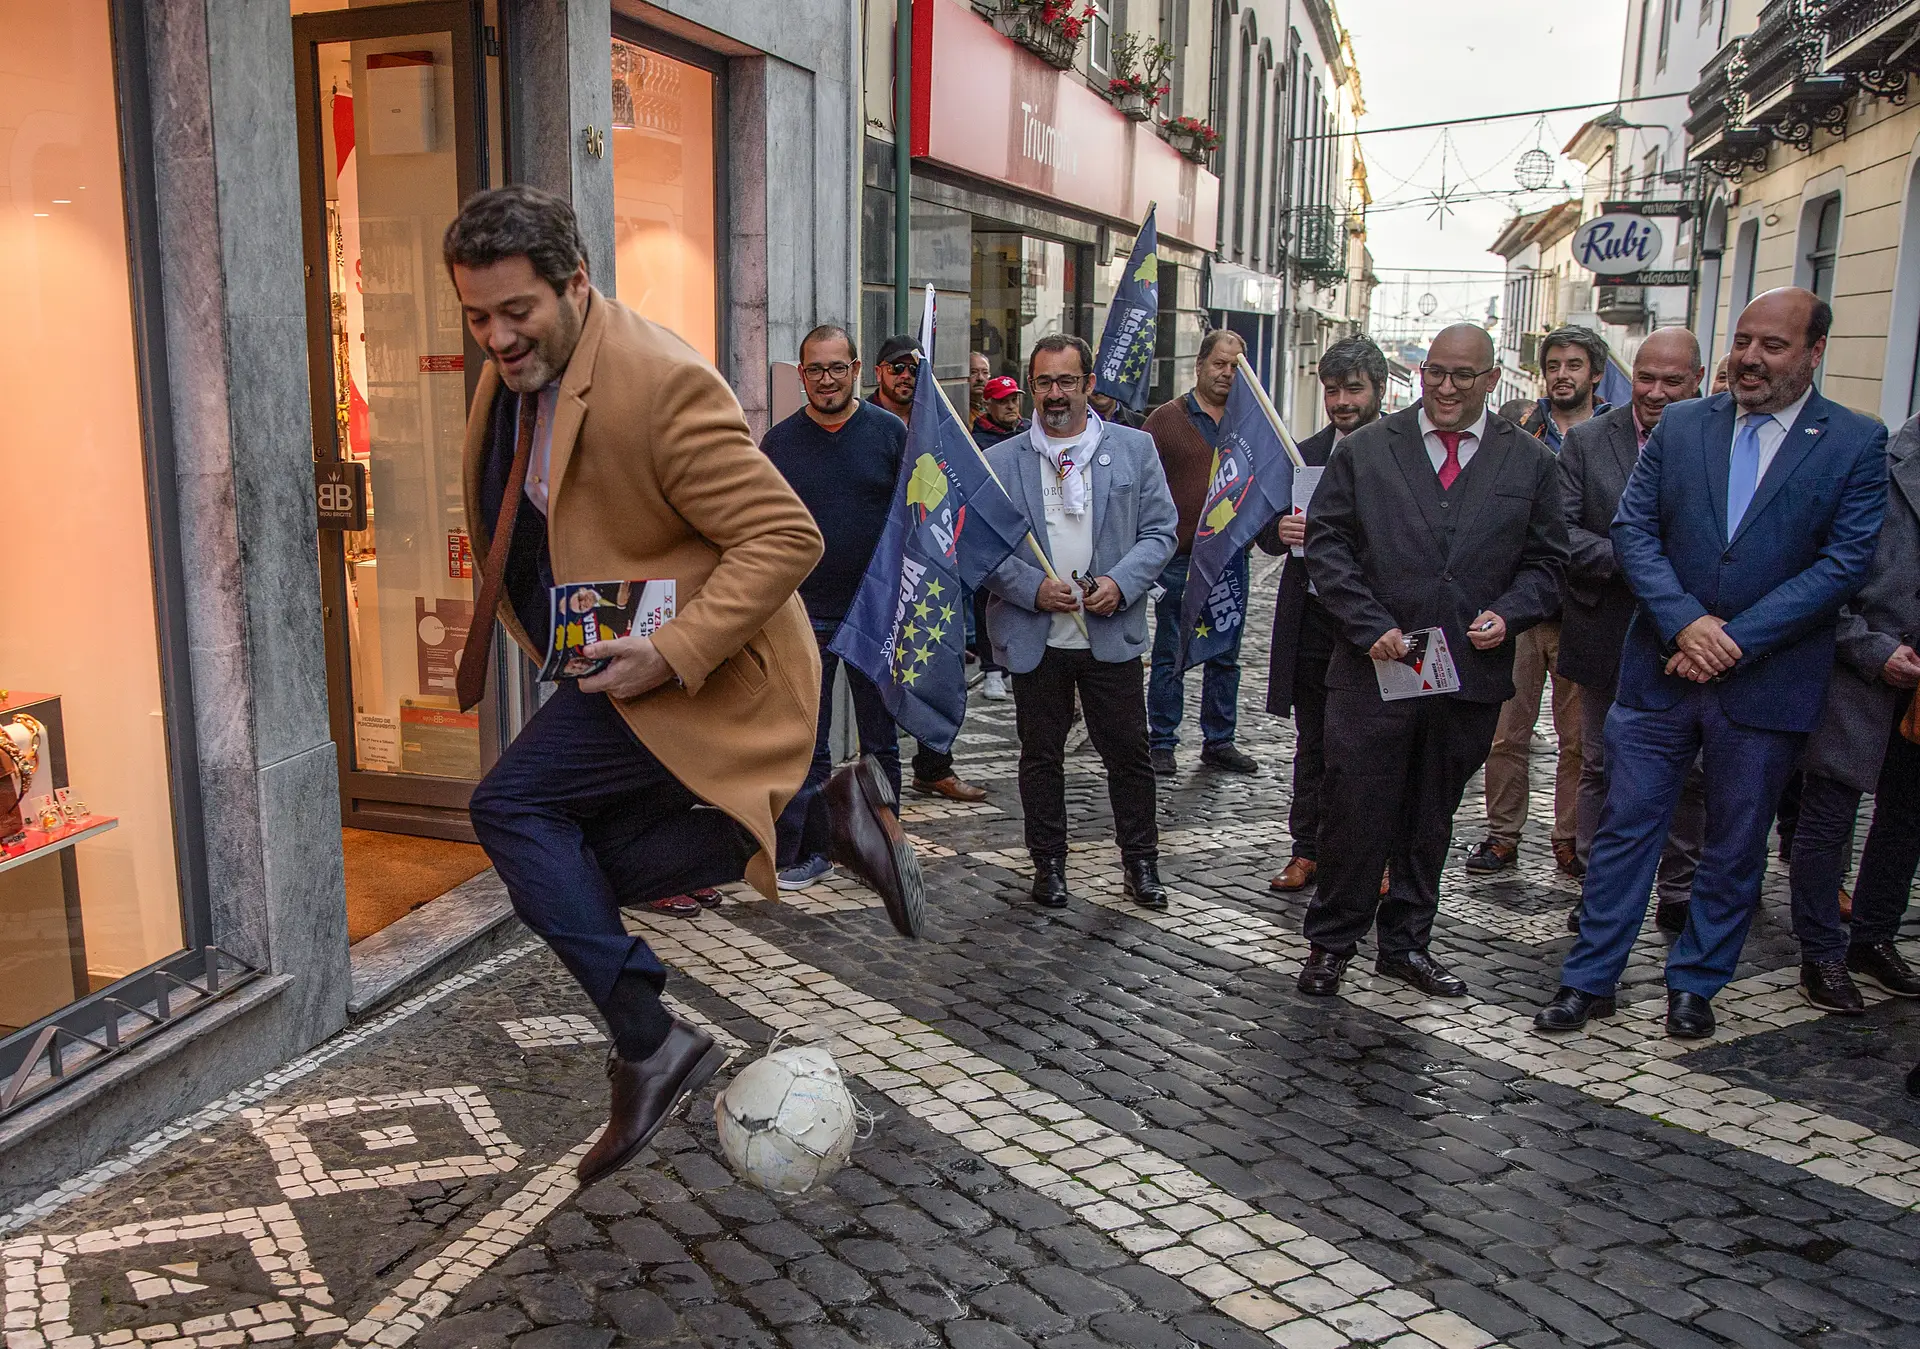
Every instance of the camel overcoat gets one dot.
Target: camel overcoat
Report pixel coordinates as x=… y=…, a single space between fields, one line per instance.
x=654 y=475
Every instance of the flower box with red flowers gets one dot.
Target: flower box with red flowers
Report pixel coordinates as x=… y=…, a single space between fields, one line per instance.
x=1050 y=29
x=1191 y=137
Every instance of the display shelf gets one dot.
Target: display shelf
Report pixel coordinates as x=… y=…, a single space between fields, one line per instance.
x=88 y=826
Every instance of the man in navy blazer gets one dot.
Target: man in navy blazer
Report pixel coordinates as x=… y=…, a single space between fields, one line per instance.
x=1749 y=519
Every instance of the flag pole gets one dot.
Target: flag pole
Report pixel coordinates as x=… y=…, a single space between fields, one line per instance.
x=1266 y=406
x=1039 y=553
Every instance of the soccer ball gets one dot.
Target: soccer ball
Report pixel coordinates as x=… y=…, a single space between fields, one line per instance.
x=787 y=1121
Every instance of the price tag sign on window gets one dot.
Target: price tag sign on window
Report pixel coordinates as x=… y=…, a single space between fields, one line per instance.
x=340 y=494
x=459 y=556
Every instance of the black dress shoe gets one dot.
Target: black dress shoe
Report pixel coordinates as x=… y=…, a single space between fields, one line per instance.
x=867 y=840
x=1880 y=963
x=1050 y=882
x=1320 y=976
x=1492 y=855
x=1163 y=764
x=1913 y=1082
x=1229 y=758
x=1689 y=1016
x=1824 y=984
x=645 y=1094
x=1423 y=972
x=1571 y=1009
x=1142 y=884
x=1573 y=920
x=1671 y=918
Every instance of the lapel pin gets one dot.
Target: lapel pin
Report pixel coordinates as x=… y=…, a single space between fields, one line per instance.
x=1813 y=430
x=1106 y=459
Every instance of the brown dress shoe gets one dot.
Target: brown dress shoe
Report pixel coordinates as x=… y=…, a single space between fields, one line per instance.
x=1297 y=875
x=951 y=788
x=645 y=1094
x=1567 y=858
x=867 y=840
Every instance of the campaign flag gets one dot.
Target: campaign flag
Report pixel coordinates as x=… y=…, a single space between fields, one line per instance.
x=1252 y=483
x=951 y=525
x=1124 y=368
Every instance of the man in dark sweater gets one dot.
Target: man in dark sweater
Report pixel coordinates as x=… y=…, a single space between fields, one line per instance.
x=1184 y=431
x=1001 y=418
x=842 y=457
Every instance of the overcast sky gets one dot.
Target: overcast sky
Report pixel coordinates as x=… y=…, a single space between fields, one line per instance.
x=1421 y=62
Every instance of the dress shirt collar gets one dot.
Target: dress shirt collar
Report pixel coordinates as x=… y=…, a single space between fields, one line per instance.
x=1785 y=417
x=1477 y=431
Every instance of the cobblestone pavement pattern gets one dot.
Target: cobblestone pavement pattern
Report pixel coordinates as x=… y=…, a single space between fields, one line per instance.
x=1097 y=1127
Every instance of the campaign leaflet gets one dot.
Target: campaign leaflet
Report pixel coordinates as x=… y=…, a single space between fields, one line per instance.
x=1427 y=668
x=585 y=612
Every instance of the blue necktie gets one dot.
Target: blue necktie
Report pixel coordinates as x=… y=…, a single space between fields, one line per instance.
x=1743 y=472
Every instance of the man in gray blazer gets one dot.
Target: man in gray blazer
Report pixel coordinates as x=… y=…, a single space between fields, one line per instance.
x=1857 y=748
x=1597 y=604
x=1097 y=501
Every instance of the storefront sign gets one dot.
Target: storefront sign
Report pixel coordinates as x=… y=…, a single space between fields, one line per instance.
x=1612 y=245
x=340 y=493
x=441 y=365
x=988 y=107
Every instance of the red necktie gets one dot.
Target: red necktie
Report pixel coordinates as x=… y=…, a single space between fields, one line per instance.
x=1451 y=468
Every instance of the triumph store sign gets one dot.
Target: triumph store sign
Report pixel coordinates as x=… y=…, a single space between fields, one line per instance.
x=986 y=106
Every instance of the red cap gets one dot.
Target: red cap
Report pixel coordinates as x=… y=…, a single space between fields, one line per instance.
x=1002 y=386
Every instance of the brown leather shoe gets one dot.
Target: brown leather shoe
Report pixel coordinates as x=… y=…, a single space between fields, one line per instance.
x=867 y=840
x=1567 y=858
x=951 y=788
x=645 y=1094
x=1297 y=875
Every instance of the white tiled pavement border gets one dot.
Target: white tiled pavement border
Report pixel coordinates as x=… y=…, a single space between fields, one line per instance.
x=260 y=1089
x=303 y=1175
x=1267 y=1274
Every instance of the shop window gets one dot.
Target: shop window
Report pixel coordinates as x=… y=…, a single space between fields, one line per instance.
x=665 y=192
x=90 y=889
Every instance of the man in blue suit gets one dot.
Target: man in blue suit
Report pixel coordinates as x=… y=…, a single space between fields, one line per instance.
x=1749 y=519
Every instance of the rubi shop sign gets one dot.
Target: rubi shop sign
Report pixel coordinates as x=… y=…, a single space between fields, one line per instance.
x=1617 y=245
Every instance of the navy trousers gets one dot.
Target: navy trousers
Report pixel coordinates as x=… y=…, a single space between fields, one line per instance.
x=579 y=819
x=1648 y=757
x=803 y=830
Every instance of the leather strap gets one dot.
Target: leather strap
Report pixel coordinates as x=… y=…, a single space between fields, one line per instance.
x=471 y=681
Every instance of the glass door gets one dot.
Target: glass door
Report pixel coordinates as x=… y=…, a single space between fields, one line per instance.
x=390 y=146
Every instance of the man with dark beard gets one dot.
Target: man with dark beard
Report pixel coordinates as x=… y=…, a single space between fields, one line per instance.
x=1572 y=359
x=1747 y=523
x=601 y=447
x=1353 y=380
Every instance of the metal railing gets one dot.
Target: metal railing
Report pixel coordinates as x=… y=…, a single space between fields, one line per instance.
x=86 y=1034
x=1320 y=243
x=1847 y=21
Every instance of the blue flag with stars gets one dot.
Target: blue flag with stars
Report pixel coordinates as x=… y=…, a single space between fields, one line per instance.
x=1252 y=483
x=951 y=525
x=1124 y=368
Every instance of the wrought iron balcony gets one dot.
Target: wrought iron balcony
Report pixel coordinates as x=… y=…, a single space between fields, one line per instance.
x=1877 y=42
x=1788 y=91
x=1718 y=134
x=1320 y=244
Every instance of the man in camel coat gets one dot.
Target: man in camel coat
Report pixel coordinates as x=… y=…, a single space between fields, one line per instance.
x=601 y=447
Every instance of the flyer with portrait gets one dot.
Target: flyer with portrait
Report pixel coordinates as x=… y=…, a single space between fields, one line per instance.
x=1427 y=668
x=585 y=612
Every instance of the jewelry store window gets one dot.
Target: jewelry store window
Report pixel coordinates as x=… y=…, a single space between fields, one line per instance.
x=667 y=170
x=92 y=921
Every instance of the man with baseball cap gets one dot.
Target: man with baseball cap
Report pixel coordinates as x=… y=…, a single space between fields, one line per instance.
x=1001 y=417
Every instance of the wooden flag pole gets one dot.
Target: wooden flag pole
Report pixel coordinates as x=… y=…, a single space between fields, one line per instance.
x=1039 y=553
x=1266 y=406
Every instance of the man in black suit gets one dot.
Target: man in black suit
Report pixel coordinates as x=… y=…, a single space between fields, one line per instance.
x=1597 y=604
x=1353 y=380
x=1440 y=516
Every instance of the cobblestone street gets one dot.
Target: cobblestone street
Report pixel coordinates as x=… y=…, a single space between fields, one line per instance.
x=1101 y=1127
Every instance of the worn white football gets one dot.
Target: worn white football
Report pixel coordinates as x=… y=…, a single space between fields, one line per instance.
x=787 y=1121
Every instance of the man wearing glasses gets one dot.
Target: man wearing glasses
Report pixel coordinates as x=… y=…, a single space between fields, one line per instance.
x=896 y=376
x=841 y=456
x=1439 y=516
x=1097 y=501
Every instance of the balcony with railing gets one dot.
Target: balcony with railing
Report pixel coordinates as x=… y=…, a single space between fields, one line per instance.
x=1320 y=244
x=1877 y=42
x=1787 y=88
x=1719 y=137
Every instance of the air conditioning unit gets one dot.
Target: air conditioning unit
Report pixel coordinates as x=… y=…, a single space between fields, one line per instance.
x=1624 y=305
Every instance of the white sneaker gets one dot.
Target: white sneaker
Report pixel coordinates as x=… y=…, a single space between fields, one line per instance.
x=994 y=687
